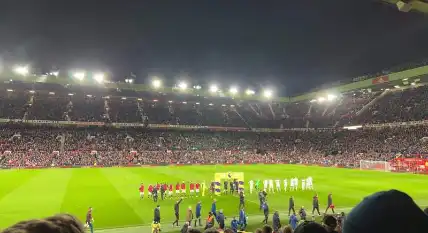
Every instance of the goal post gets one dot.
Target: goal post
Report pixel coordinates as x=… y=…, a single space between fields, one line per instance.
x=375 y=165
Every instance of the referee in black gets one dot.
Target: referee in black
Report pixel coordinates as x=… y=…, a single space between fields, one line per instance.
x=177 y=212
x=291 y=206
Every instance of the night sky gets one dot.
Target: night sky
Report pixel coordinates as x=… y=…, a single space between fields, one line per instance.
x=293 y=45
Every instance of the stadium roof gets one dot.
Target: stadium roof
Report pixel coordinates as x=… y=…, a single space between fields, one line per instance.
x=407 y=77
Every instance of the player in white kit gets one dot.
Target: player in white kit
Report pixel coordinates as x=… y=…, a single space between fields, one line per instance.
x=265 y=184
x=292 y=184
x=303 y=184
x=309 y=184
x=285 y=185
x=278 y=185
x=251 y=183
x=271 y=186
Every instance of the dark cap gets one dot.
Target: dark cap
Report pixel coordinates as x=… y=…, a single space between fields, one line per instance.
x=388 y=211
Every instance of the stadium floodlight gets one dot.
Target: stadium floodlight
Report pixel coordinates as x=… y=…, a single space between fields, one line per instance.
x=197 y=103
x=79 y=75
x=213 y=88
x=250 y=92
x=99 y=77
x=182 y=85
x=54 y=73
x=331 y=97
x=210 y=104
x=156 y=83
x=129 y=80
x=9 y=90
x=21 y=70
x=321 y=99
x=267 y=93
x=197 y=87
x=233 y=90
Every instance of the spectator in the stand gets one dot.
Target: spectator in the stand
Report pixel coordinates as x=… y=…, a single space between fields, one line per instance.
x=63 y=223
x=388 y=211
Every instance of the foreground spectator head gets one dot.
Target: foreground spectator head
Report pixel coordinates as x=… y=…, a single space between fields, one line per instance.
x=193 y=230
x=426 y=211
x=287 y=229
x=267 y=229
x=388 y=211
x=62 y=223
x=330 y=223
x=310 y=227
x=211 y=230
x=258 y=230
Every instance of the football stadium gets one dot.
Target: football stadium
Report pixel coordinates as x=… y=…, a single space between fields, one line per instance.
x=169 y=148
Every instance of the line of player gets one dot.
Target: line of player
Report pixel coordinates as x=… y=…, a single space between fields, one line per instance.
x=167 y=190
x=268 y=185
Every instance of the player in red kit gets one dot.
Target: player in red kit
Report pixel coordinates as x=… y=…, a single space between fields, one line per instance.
x=141 y=189
x=150 y=189
x=170 y=191
x=177 y=189
x=158 y=186
x=183 y=189
x=192 y=188
x=198 y=186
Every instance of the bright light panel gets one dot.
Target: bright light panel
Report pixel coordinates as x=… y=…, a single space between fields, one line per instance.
x=99 y=77
x=267 y=93
x=156 y=83
x=79 y=75
x=21 y=70
x=321 y=99
x=233 y=90
x=250 y=92
x=182 y=85
x=213 y=88
x=331 y=97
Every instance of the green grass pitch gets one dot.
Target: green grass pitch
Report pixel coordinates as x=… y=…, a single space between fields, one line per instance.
x=113 y=192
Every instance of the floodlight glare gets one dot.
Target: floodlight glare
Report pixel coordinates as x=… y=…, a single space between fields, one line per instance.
x=182 y=85
x=79 y=75
x=267 y=93
x=213 y=88
x=99 y=78
x=54 y=73
x=129 y=80
x=321 y=99
x=21 y=70
x=233 y=90
x=156 y=83
x=250 y=92
x=331 y=97
x=197 y=87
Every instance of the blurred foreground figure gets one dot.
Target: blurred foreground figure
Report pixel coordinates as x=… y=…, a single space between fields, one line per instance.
x=388 y=211
x=62 y=223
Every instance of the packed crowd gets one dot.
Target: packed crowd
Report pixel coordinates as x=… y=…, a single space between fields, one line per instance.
x=95 y=105
x=44 y=146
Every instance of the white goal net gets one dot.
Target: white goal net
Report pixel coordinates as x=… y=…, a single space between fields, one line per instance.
x=375 y=165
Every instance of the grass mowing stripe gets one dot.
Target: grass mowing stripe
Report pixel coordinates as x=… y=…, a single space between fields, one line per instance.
x=40 y=196
x=89 y=187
